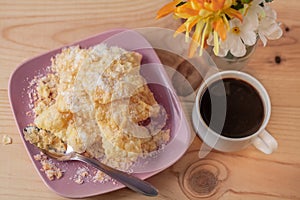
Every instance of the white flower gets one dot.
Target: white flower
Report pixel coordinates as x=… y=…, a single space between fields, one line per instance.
x=253 y=12
x=268 y=27
x=259 y=21
x=239 y=35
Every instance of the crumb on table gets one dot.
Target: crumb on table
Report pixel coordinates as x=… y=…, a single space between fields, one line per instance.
x=6 y=140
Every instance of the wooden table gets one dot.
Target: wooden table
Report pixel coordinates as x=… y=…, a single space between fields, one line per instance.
x=31 y=27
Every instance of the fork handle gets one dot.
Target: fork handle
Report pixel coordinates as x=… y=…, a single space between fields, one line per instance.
x=129 y=181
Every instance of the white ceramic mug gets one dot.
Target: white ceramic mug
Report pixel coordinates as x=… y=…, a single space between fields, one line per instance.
x=261 y=139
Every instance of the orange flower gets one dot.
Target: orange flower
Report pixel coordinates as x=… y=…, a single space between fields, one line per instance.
x=167 y=9
x=207 y=16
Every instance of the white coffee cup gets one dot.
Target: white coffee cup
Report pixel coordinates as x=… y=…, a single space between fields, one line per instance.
x=261 y=139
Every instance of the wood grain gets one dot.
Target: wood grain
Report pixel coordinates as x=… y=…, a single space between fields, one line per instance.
x=31 y=27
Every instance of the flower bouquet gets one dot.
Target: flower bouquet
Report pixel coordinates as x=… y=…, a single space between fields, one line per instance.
x=228 y=26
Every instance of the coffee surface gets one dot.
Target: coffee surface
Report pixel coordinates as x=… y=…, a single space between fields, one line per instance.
x=235 y=104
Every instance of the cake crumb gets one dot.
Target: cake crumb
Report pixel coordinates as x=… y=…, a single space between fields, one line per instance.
x=79 y=180
x=51 y=170
x=101 y=177
x=80 y=175
x=6 y=140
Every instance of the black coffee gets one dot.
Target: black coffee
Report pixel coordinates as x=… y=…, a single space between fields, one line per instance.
x=244 y=112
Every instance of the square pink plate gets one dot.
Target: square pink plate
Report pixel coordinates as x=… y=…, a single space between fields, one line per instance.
x=159 y=83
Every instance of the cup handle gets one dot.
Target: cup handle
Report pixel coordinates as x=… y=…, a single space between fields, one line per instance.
x=265 y=142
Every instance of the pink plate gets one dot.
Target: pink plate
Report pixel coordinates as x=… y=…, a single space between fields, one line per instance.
x=159 y=84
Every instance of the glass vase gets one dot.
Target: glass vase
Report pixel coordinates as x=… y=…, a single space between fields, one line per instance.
x=231 y=62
